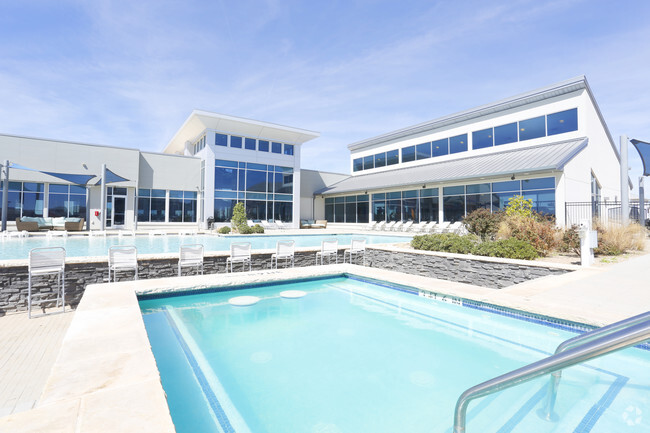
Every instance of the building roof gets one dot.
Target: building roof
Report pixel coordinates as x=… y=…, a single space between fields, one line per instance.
x=201 y=120
x=545 y=157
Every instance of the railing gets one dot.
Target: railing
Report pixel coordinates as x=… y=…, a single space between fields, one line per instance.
x=590 y=345
x=606 y=211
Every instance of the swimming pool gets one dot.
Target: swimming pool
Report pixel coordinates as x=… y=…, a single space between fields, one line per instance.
x=82 y=246
x=354 y=356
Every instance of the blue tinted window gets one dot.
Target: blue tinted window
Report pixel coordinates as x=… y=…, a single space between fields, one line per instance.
x=257 y=166
x=276 y=147
x=339 y=200
x=453 y=190
x=329 y=200
x=175 y=194
x=225 y=178
x=408 y=154
x=59 y=188
x=423 y=151
x=379 y=196
x=357 y=164
x=429 y=192
x=512 y=185
x=458 y=144
x=368 y=162
x=532 y=128
x=224 y=163
x=392 y=157
x=564 y=121
x=482 y=139
x=478 y=188
x=282 y=169
x=263 y=145
x=380 y=159
x=235 y=141
x=440 y=147
x=74 y=189
x=543 y=201
x=542 y=183
x=351 y=199
x=505 y=134
x=255 y=181
x=394 y=195
x=249 y=143
x=363 y=197
x=288 y=149
x=221 y=139
x=141 y=192
x=409 y=194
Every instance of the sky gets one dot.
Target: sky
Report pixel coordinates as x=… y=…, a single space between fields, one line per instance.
x=128 y=73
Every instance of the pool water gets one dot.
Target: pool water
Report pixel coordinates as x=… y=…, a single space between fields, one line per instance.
x=82 y=246
x=354 y=356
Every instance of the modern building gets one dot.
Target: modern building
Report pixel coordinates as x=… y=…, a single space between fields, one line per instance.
x=550 y=145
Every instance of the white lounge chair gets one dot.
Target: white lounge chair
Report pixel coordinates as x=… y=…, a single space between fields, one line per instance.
x=328 y=248
x=281 y=225
x=46 y=261
x=440 y=228
x=240 y=252
x=269 y=225
x=380 y=225
x=397 y=226
x=371 y=225
x=389 y=226
x=122 y=258
x=430 y=227
x=190 y=256
x=417 y=228
x=407 y=226
x=454 y=228
x=283 y=250
x=357 y=246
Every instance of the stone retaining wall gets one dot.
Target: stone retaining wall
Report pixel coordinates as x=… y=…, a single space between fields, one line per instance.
x=13 y=279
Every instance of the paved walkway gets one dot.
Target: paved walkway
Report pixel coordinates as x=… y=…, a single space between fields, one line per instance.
x=28 y=349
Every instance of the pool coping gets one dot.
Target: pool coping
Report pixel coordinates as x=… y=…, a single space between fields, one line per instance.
x=105 y=373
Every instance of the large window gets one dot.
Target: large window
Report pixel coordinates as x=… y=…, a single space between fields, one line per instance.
x=265 y=190
x=453 y=203
x=440 y=147
x=423 y=151
x=66 y=201
x=532 y=128
x=151 y=205
x=482 y=139
x=25 y=199
x=182 y=206
x=408 y=154
x=458 y=144
x=564 y=121
x=348 y=209
x=429 y=204
x=505 y=134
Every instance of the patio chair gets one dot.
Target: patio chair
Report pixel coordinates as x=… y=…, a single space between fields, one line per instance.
x=281 y=225
x=429 y=227
x=283 y=250
x=371 y=225
x=189 y=256
x=440 y=228
x=380 y=225
x=453 y=228
x=122 y=258
x=46 y=261
x=397 y=226
x=417 y=228
x=389 y=226
x=328 y=248
x=269 y=225
x=407 y=226
x=240 y=252
x=358 y=246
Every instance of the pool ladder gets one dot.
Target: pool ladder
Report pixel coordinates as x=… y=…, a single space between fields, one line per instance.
x=576 y=350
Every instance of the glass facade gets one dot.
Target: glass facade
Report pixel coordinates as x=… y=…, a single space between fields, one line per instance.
x=25 y=199
x=182 y=206
x=348 y=209
x=151 y=205
x=265 y=190
x=66 y=201
x=412 y=205
x=552 y=124
x=237 y=142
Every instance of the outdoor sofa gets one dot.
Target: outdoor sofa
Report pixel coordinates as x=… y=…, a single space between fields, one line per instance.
x=34 y=224
x=311 y=224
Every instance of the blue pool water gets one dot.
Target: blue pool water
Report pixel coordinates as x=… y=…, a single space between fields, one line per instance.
x=82 y=246
x=353 y=356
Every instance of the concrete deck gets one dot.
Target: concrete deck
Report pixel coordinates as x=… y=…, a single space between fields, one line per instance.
x=105 y=377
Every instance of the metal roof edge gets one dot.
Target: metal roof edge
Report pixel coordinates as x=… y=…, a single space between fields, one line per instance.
x=569 y=85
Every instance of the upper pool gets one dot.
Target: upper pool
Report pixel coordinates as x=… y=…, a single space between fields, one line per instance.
x=83 y=246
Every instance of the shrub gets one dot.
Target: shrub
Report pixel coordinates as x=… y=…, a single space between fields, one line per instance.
x=616 y=239
x=518 y=205
x=537 y=231
x=224 y=230
x=483 y=223
x=508 y=248
x=238 y=220
x=446 y=242
x=257 y=228
x=246 y=230
x=570 y=240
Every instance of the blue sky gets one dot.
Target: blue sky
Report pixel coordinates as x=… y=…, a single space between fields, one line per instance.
x=128 y=73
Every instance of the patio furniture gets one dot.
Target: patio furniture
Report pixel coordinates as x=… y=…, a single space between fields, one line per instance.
x=190 y=256
x=357 y=246
x=269 y=225
x=74 y=224
x=456 y=228
x=29 y=226
x=46 y=261
x=371 y=225
x=397 y=226
x=283 y=250
x=389 y=226
x=328 y=248
x=440 y=228
x=122 y=258
x=407 y=226
x=34 y=224
x=319 y=224
x=380 y=225
x=52 y=233
x=281 y=225
x=430 y=227
x=240 y=252
x=417 y=228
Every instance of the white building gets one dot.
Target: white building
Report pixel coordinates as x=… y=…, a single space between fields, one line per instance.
x=550 y=145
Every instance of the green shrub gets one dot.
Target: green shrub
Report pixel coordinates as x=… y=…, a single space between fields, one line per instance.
x=520 y=206
x=257 y=228
x=507 y=248
x=238 y=220
x=224 y=230
x=570 y=241
x=446 y=242
x=246 y=230
x=538 y=231
x=483 y=223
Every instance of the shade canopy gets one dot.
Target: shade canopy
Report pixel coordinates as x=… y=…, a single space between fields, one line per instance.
x=77 y=179
x=644 y=152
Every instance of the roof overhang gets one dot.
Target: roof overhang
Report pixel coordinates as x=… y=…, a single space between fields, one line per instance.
x=200 y=120
x=541 y=158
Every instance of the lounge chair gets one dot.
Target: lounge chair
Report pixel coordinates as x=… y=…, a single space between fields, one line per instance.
x=190 y=256
x=397 y=227
x=46 y=261
x=380 y=225
x=240 y=252
x=442 y=227
x=283 y=250
x=371 y=225
x=389 y=226
x=268 y=225
x=358 y=246
x=417 y=228
x=281 y=225
x=328 y=248
x=120 y=258
x=454 y=228
x=407 y=226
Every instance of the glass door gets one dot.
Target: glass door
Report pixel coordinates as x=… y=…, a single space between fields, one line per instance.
x=119 y=211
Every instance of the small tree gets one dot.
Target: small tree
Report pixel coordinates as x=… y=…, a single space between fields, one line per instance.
x=519 y=206
x=238 y=220
x=483 y=223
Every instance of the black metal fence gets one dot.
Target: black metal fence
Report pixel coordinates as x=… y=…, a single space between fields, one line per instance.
x=606 y=211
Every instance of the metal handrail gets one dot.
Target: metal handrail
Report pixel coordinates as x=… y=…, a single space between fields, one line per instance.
x=603 y=345
x=547 y=412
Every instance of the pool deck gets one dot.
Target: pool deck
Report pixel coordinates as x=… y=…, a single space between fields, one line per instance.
x=105 y=378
